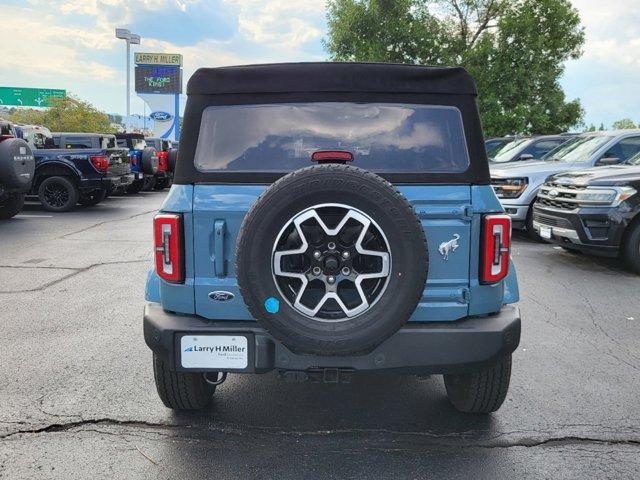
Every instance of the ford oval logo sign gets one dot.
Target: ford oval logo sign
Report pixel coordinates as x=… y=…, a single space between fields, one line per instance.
x=161 y=116
x=554 y=193
x=221 y=296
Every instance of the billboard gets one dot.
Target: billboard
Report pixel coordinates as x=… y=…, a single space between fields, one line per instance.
x=158 y=79
x=29 y=97
x=142 y=58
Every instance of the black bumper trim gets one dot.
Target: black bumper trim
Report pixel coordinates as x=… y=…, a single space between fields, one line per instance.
x=443 y=347
x=605 y=246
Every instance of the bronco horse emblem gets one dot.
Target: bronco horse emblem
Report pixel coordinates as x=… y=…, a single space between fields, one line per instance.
x=448 y=247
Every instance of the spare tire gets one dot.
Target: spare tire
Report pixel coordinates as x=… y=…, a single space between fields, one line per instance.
x=149 y=161
x=17 y=164
x=173 y=158
x=331 y=260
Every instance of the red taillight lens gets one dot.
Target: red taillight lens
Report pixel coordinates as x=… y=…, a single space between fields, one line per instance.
x=332 y=155
x=163 y=161
x=168 y=247
x=496 y=246
x=100 y=162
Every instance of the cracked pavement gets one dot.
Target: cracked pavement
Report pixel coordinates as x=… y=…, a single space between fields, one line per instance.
x=78 y=398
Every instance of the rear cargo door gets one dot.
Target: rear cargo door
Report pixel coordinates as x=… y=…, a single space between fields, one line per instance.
x=444 y=212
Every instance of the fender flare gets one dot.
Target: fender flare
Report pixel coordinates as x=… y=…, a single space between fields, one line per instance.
x=57 y=163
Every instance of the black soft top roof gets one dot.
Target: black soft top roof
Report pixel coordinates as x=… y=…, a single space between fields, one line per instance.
x=331 y=77
x=81 y=134
x=121 y=136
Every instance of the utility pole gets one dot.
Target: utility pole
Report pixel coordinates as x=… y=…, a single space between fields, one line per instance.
x=131 y=39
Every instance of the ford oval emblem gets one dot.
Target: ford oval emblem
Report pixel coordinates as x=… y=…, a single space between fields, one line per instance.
x=221 y=296
x=161 y=116
x=554 y=193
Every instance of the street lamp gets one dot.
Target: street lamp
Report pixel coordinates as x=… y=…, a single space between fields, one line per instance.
x=130 y=38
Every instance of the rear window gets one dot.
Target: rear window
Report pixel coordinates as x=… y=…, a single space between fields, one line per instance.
x=382 y=137
x=108 y=142
x=78 y=142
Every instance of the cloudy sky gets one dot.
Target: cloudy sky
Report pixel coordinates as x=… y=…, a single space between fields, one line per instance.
x=70 y=44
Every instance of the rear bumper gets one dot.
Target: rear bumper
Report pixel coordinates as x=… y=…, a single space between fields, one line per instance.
x=443 y=347
x=106 y=183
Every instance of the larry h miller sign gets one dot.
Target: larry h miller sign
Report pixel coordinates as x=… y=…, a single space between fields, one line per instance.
x=158 y=81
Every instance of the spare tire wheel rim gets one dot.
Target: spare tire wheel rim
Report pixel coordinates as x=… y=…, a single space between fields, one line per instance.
x=331 y=255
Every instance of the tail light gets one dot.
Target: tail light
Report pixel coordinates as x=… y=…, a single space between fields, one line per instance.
x=169 y=251
x=496 y=246
x=325 y=156
x=100 y=162
x=163 y=161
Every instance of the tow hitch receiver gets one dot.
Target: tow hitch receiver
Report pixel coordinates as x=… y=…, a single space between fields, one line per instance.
x=318 y=375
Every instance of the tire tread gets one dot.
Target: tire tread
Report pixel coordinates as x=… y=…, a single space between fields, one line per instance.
x=181 y=390
x=480 y=392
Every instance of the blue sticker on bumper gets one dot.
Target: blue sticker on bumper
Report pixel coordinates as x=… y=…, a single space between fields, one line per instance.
x=272 y=305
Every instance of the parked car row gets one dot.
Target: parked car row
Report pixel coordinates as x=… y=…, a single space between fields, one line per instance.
x=582 y=194
x=64 y=169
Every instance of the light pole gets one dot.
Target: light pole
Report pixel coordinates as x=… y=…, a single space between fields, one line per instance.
x=130 y=38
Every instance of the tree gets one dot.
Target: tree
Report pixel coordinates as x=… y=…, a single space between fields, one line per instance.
x=28 y=116
x=514 y=49
x=66 y=114
x=115 y=118
x=625 y=123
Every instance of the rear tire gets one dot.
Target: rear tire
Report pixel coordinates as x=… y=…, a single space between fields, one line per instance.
x=149 y=184
x=135 y=187
x=480 y=392
x=10 y=205
x=162 y=184
x=58 y=194
x=181 y=390
x=631 y=249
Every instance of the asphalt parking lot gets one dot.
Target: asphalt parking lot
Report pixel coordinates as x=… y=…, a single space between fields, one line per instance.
x=77 y=398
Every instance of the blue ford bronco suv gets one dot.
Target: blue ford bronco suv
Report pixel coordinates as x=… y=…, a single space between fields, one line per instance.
x=327 y=219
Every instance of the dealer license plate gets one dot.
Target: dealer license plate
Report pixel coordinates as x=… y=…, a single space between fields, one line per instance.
x=214 y=351
x=545 y=232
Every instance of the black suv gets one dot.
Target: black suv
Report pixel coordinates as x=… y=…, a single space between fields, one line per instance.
x=596 y=211
x=17 y=166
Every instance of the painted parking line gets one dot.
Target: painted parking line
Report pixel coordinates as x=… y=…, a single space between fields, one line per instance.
x=33 y=216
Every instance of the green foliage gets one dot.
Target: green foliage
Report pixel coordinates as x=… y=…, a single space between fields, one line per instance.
x=624 y=123
x=514 y=49
x=28 y=116
x=68 y=114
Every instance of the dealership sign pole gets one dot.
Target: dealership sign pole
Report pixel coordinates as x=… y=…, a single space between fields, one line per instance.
x=130 y=38
x=158 y=81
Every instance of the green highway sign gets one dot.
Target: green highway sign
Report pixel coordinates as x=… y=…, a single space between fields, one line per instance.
x=29 y=97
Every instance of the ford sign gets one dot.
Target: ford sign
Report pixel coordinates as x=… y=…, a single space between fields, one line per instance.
x=161 y=116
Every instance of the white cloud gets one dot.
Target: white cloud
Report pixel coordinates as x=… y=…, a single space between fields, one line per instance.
x=280 y=23
x=612 y=30
x=35 y=45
